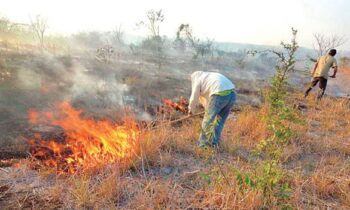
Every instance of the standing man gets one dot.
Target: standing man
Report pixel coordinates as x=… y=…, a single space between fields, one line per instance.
x=320 y=72
x=217 y=94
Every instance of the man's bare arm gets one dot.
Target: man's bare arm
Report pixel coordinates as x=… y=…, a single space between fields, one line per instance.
x=313 y=70
x=335 y=69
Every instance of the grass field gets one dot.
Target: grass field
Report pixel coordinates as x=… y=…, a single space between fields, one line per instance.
x=171 y=172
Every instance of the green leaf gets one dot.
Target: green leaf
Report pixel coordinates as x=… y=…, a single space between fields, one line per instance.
x=206 y=177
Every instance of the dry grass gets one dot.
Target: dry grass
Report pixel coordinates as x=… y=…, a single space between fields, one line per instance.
x=249 y=128
x=323 y=154
x=172 y=173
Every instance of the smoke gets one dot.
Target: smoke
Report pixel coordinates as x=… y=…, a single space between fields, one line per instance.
x=133 y=79
x=43 y=80
x=28 y=79
x=97 y=91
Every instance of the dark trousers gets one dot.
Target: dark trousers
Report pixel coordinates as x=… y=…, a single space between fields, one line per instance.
x=322 y=84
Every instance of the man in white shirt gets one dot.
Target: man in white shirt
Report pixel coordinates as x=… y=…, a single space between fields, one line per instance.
x=217 y=95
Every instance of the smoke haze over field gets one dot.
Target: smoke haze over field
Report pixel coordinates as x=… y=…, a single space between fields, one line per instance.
x=96 y=68
x=251 y=21
x=95 y=95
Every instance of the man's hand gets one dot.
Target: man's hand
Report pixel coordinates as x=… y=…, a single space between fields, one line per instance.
x=189 y=113
x=335 y=72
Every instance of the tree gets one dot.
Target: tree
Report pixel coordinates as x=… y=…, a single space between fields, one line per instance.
x=154 y=42
x=273 y=179
x=179 y=43
x=152 y=23
x=39 y=27
x=118 y=36
x=202 y=48
x=324 y=43
x=5 y=25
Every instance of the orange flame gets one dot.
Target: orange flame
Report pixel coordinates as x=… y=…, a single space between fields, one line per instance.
x=181 y=105
x=87 y=143
x=33 y=116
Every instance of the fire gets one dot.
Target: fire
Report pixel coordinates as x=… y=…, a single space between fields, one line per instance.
x=86 y=144
x=181 y=105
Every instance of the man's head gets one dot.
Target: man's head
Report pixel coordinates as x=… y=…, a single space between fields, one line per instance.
x=332 y=52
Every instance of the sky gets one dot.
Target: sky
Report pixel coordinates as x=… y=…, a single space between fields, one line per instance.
x=244 y=21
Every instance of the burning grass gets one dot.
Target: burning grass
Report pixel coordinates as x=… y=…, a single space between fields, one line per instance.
x=180 y=106
x=86 y=143
x=171 y=172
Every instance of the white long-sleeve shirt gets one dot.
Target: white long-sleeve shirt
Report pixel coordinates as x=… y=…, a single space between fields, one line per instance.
x=206 y=84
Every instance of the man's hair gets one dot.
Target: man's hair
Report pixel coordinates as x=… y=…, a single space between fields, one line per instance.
x=332 y=52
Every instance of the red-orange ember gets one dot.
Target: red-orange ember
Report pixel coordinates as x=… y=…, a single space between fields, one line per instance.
x=181 y=105
x=86 y=143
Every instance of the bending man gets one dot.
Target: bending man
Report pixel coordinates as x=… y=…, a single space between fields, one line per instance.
x=320 y=72
x=217 y=94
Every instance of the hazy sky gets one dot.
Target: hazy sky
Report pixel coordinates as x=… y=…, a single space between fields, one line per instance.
x=246 y=21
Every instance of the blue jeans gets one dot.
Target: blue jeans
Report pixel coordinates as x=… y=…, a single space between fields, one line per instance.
x=214 y=119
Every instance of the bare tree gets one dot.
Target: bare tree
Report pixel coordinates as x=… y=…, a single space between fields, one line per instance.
x=324 y=43
x=200 y=47
x=39 y=27
x=118 y=36
x=117 y=39
x=152 y=24
x=154 y=41
x=5 y=25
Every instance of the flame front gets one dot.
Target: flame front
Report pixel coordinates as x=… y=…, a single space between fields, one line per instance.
x=87 y=143
x=181 y=105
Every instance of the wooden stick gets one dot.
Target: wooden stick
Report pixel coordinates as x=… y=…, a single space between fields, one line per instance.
x=186 y=117
x=4 y=170
x=179 y=120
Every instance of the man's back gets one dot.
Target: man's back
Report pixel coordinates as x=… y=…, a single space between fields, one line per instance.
x=212 y=82
x=324 y=64
x=205 y=84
